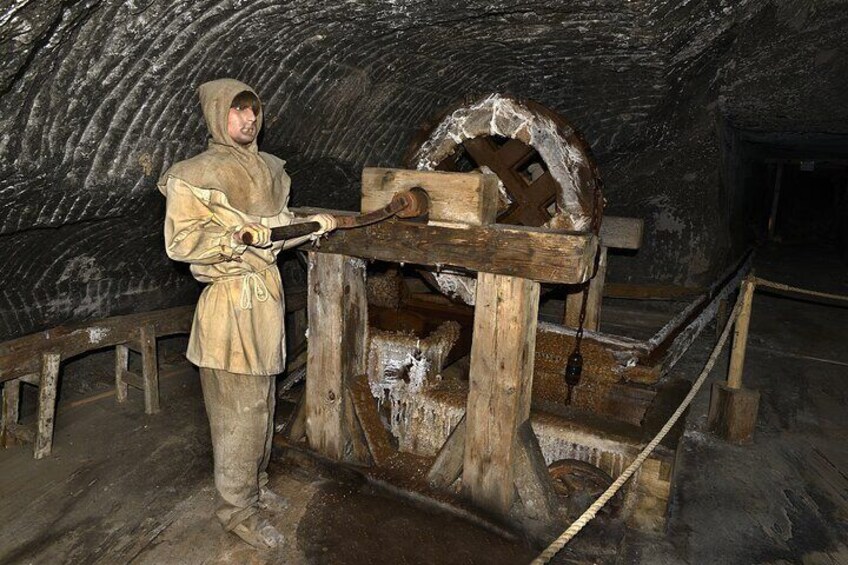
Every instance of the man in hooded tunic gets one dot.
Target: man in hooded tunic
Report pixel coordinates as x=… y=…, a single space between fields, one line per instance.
x=237 y=337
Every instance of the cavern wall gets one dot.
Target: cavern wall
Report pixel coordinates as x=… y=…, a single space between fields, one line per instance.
x=98 y=99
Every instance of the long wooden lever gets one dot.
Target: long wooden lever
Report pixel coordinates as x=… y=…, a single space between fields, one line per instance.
x=411 y=203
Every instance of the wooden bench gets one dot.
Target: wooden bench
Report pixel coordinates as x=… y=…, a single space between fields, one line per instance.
x=36 y=358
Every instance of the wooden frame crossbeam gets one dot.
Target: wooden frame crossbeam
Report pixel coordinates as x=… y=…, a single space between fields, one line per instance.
x=531 y=253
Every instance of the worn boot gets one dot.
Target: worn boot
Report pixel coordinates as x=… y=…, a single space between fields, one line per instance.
x=271 y=501
x=259 y=533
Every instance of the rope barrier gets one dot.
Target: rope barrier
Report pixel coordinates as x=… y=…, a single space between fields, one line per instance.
x=780 y=286
x=590 y=512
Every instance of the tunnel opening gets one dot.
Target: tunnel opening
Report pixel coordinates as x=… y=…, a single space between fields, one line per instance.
x=787 y=190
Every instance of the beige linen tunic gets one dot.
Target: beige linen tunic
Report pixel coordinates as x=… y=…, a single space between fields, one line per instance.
x=239 y=322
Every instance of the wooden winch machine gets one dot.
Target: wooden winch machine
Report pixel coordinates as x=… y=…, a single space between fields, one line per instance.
x=494 y=450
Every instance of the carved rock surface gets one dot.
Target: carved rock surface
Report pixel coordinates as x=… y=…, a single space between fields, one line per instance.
x=98 y=98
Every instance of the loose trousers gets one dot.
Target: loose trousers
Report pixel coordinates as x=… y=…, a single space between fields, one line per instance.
x=241 y=418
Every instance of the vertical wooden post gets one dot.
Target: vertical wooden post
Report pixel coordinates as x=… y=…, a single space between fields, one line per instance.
x=740 y=335
x=11 y=410
x=150 y=368
x=122 y=364
x=46 y=404
x=338 y=336
x=501 y=378
x=574 y=301
x=733 y=409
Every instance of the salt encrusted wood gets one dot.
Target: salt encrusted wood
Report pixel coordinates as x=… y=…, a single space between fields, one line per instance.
x=532 y=253
x=468 y=198
x=500 y=382
x=338 y=334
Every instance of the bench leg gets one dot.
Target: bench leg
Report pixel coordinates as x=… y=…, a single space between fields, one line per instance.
x=46 y=404
x=122 y=359
x=150 y=369
x=11 y=407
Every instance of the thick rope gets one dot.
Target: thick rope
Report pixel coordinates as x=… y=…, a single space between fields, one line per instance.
x=780 y=286
x=590 y=512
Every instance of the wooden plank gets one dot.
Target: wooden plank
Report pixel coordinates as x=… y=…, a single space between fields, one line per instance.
x=469 y=198
x=46 y=404
x=622 y=233
x=500 y=382
x=122 y=363
x=447 y=467
x=21 y=356
x=531 y=253
x=150 y=368
x=338 y=331
x=376 y=435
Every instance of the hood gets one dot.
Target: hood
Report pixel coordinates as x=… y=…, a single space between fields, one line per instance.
x=254 y=182
x=215 y=99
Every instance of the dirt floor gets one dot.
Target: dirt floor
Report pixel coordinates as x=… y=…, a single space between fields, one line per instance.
x=124 y=487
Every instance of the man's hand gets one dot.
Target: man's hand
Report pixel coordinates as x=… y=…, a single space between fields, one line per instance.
x=257 y=235
x=328 y=223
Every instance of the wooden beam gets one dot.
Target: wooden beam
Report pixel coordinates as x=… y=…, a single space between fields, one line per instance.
x=622 y=233
x=531 y=253
x=500 y=382
x=338 y=334
x=468 y=198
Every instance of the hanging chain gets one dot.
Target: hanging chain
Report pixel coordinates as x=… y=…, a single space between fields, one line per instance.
x=574 y=367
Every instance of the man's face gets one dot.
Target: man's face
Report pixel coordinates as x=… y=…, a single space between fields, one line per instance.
x=241 y=125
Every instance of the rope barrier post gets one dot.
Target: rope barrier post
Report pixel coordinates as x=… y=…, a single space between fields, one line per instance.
x=740 y=336
x=733 y=408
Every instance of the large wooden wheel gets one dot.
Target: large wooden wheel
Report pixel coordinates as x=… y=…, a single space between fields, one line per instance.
x=547 y=174
x=546 y=169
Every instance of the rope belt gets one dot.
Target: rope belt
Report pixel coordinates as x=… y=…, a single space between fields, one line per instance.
x=252 y=285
